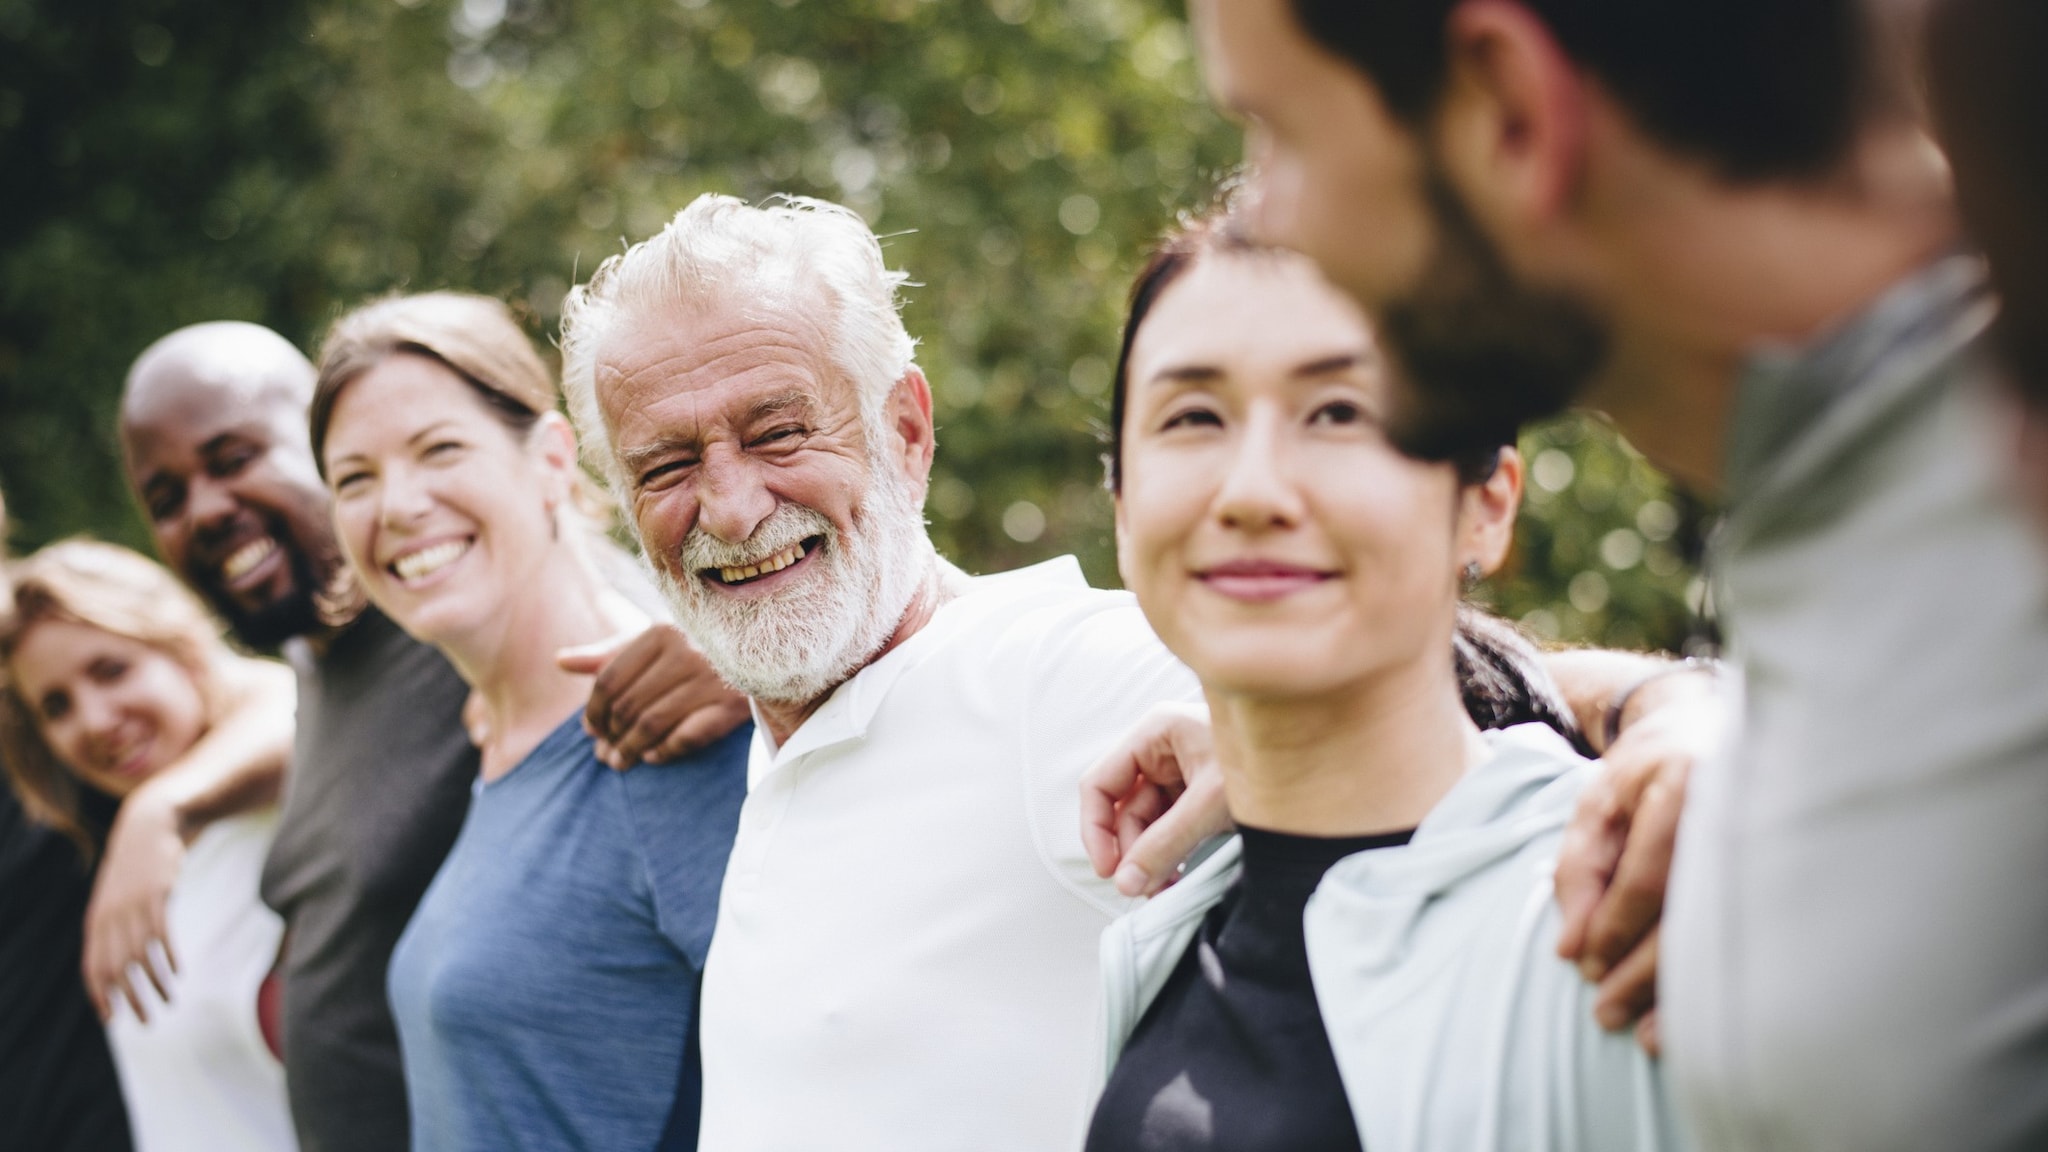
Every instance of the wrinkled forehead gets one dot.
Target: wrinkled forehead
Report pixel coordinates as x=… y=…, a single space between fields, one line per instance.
x=712 y=357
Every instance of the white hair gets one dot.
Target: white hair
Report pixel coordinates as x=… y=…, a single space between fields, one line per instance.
x=721 y=252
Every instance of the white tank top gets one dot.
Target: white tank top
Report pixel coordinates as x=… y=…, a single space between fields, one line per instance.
x=198 y=1075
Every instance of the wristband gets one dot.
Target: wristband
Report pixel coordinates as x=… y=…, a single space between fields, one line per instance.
x=1610 y=726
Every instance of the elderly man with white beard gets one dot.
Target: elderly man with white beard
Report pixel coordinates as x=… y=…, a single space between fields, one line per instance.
x=905 y=952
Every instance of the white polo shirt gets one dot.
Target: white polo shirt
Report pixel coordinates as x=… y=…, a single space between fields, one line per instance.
x=906 y=951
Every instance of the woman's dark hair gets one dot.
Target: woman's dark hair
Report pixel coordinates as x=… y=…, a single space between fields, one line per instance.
x=1500 y=672
x=1502 y=679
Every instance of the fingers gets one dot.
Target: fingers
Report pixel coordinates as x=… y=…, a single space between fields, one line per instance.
x=659 y=699
x=1153 y=859
x=1104 y=788
x=1634 y=900
x=587 y=659
x=476 y=719
x=119 y=941
x=1630 y=989
x=703 y=728
x=127 y=991
x=1586 y=861
x=1138 y=813
x=1134 y=782
x=616 y=664
x=1649 y=1035
x=157 y=980
x=101 y=1004
x=689 y=715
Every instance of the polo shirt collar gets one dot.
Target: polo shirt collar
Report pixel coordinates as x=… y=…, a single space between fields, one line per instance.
x=846 y=714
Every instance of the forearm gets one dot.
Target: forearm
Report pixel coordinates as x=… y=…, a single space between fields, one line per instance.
x=1592 y=679
x=239 y=765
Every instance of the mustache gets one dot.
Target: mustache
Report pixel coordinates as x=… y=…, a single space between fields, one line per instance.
x=787 y=525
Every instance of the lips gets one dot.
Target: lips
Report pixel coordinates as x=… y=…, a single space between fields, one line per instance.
x=420 y=563
x=743 y=573
x=1261 y=581
x=244 y=559
x=127 y=754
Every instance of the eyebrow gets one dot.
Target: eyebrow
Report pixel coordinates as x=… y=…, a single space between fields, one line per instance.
x=415 y=438
x=776 y=405
x=1188 y=375
x=1328 y=365
x=223 y=439
x=636 y=459
x=429 y=430
x=633 y=460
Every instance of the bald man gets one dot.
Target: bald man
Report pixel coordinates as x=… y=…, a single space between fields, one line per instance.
x=213 y=433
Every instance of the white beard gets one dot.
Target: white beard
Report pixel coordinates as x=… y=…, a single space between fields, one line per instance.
x=796 y=645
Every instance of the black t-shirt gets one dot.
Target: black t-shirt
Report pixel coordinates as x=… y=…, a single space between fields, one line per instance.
x=58 y=1091
x=381 y=776
x=1232 y=1054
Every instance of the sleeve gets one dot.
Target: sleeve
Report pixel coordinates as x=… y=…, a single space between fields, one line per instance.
x=1090 y=676
x=683 y=816
x=1569 y=1085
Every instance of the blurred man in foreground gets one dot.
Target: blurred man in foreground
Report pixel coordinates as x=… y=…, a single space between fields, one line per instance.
x=1719 y=223
x=213 y=429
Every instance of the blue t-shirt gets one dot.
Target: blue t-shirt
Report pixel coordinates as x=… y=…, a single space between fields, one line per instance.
x=545 y=988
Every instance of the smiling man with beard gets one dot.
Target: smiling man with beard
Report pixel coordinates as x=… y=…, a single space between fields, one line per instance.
x=905 y=955
x=1718 y=222
x=214 y=431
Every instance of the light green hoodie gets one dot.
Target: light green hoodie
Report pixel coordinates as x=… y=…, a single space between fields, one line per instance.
x=1456 y=1027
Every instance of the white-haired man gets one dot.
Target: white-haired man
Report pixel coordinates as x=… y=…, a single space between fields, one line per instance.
x=905 y=950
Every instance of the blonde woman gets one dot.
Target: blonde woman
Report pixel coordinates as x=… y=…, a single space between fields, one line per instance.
x=112 y=673
x=545 y=990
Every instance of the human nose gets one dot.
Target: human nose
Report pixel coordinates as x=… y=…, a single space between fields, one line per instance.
x=95 y=715
x=1257 y=494
x=403 y=498
x=209 y=504
x=731 y=500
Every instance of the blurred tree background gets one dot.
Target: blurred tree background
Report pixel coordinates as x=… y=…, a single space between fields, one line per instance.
x=166 y=162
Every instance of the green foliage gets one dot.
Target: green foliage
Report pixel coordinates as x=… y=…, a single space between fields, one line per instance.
x=279 y=161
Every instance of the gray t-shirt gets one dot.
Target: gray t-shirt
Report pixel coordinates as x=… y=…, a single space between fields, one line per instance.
x=1856 y=950
x=380 y=782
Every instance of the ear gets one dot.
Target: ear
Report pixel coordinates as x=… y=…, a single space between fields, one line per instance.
x=553 y=443
x=909 y=415
x=1486 y=514
x=1512 y=126
x=1124 y=562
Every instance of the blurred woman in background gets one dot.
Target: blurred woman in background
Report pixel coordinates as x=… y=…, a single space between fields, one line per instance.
x=113 y=671
x=1371 y=962
x=545 y=989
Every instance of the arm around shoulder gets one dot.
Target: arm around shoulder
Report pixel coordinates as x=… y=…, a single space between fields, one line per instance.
x=237 y=766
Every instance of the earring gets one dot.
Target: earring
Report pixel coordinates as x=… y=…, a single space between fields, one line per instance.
x=1472 y=573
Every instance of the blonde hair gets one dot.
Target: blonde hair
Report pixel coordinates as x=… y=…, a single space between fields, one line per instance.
x=722 y=252
x=119 y=592
x=475 y=336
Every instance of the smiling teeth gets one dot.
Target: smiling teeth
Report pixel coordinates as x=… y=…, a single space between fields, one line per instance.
x=427 y=561
x=243 y=560
x=775 y=563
